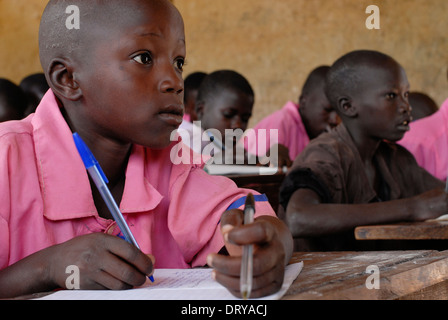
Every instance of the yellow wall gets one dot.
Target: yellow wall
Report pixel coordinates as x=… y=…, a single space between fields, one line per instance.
x=19 y=26
x=274 y=43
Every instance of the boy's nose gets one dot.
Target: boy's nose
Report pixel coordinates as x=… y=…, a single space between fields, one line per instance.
x=236 y=123
x=405 y=106
x=172 y=83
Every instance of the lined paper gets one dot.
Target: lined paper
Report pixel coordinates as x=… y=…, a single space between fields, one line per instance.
x=175 y=284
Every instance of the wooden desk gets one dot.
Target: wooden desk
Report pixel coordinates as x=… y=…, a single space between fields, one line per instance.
x=264 y=184
x=429 y=230
x=404 y=275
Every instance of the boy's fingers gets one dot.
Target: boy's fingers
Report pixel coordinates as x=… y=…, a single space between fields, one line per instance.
x=225 y=264
x=228 y=274
x=255 y=233
x=131 y=254
x=232 y=217
x=126 y=274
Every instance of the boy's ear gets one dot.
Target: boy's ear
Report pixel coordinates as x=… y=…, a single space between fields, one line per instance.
x=60 y=74
x=346 y=107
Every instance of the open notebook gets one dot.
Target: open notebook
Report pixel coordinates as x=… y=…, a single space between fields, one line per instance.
x=174 y=284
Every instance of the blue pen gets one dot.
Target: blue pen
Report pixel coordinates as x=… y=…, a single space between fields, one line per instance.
x=101 y=181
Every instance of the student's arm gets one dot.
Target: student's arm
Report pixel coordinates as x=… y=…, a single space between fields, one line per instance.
x=273 y=251
x=105 y=262
x=306 y=216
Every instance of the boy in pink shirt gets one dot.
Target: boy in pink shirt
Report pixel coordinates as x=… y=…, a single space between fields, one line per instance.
x=117 y=81
x=296 y=123
x=427 y=140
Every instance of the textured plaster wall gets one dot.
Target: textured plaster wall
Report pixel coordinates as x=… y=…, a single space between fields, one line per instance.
x=273 y=43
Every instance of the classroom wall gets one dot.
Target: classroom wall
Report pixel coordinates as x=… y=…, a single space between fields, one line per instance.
x=275 y=44
x=19 y=26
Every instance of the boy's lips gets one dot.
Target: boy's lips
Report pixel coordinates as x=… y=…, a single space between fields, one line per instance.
x=172 y=115
x=404 y=125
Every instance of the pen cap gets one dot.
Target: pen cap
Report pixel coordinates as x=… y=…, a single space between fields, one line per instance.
x=87 y=156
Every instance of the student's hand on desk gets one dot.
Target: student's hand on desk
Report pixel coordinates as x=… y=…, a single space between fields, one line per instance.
x=104 y=261
x=430 y=205
x=269 y=255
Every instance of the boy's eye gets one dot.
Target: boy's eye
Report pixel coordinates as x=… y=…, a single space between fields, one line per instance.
x=391 y=95
x=180 y=63
x=228 y=114
x=144 y=58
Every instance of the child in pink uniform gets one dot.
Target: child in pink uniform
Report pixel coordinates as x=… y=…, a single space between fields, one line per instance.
x=117 y=81
x=356 y=175
x=427 y=140
x=296 y=123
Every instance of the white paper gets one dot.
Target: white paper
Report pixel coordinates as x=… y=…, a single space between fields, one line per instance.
x=175 y=284
x=441 y=218
x=222 y=169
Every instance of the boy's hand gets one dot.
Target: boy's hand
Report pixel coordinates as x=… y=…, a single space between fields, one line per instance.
x=269 y=254
x=430 y=205
x=104 y=261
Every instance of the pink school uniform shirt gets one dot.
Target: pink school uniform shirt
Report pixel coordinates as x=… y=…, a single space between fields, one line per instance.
x=428 y=142
x=291 y=131
x=45 y=196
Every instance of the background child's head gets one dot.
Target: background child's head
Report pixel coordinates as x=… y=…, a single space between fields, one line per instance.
x=315 y=110
x=422 y=105
x=119 y=75
x=35 y=86
x=370 y=92
x=192 y=83
x=13 y=101
x=225 y=101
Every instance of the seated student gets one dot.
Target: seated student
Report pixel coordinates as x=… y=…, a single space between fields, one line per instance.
x=427 y=140
x=224 y=102
x=191 y=85
x=352 y=176
x=35 y=86
x=12 y=101
x=422 y=105
x=298 y=123
x=117 y=82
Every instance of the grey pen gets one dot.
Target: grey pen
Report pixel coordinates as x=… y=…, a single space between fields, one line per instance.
x=247 y=260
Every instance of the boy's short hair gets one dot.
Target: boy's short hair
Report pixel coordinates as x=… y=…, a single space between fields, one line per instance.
x=223 y=79
x=344 y=77
x=315 y=79
x=194 y=80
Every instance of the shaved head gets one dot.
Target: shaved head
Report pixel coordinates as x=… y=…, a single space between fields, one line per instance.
x=315 y=79
x=97 y=17
x=346 y=75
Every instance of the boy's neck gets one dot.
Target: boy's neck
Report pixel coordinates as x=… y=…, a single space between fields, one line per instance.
x=114 y=166
x=366 y=146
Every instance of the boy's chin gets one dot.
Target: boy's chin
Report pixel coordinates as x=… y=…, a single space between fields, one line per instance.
x=395 y=139
x=159 y=146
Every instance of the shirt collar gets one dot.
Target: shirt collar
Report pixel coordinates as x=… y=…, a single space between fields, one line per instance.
x=369 y=195
x=63 y=178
